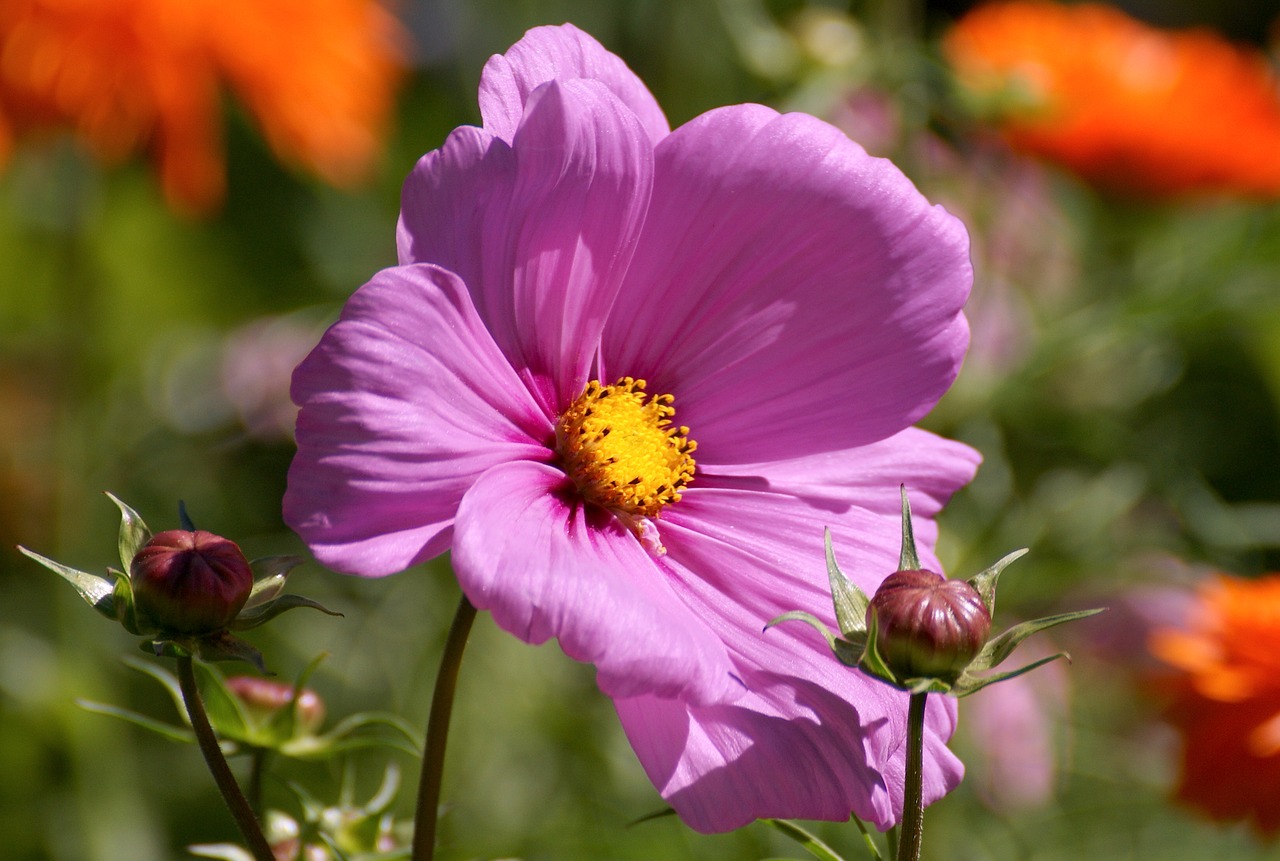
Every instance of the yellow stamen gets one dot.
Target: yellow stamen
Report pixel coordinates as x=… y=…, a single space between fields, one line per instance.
x=617 y=444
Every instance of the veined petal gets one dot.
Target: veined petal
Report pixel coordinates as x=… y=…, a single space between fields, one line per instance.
x=811 y=738
x=559 y=53
x=788 y=749
x=547 y=566
x=405 y=401
x=794 y=294
x=542 y=231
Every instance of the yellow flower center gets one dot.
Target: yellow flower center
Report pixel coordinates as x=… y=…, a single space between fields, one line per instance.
x=617 y=444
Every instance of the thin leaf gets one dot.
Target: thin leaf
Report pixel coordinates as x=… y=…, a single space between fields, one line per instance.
x=909 y=560
x=98 y=592
x=985 y=582
x=850 y=601
x=133 y=532
x=971 y=684
x=353 y=722
x=866 y=837
x=999 y=648
x=811 y=844
x=164 y=677
x=169 y=731
x=264 y=613
x=650 y=817
x=222 y=851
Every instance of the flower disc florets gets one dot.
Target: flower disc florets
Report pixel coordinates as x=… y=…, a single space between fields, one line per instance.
x=618 y=445
x=189 y=582
x=928 y=626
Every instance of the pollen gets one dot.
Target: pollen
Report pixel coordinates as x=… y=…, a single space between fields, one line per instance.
x=618 y=445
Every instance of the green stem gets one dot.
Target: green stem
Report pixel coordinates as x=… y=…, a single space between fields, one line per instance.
x=217 y=763
x=913 y=789
x=257 y=765
x=424 y=823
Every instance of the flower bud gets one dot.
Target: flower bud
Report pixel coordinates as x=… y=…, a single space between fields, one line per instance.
x=189 y=582
x=928 y=626
x=264 y=698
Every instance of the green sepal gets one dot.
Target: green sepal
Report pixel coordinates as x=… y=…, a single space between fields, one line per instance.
x=265 y=612
x=850 y=601
x=219 y=646
x=847 y=652
x=908 y=560
x=340 y=739
x=999 y=648
x=271 y=573
x=968 y=684
x=133 y=532
x=98 y=592
x=811 y=844
x=985 y=582
x=871 y=661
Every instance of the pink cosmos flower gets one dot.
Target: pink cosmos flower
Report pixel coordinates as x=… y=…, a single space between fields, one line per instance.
x=627 y=375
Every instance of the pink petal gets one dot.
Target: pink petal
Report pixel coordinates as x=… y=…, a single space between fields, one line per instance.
x=795 y=294
x=811 y=738
x=542 y=232
x=405 y=402
x=559 y=53
x=546 y=566
x=931 y=468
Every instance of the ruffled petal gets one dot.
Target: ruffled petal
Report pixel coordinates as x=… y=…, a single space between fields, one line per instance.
x=546 y=566
x=541 y=231
x=405 y=401
x=559 y=53
x=811 y=738
x=794 y=294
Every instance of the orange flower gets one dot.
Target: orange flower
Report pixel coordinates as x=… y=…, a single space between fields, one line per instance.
x=317 y=75
x=1226 y=700
x=1124 y=105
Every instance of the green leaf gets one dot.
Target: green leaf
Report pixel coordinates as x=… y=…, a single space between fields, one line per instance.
x=909 y=559
x=970 y=684
x=98 y=592
x=264 y=613
x=999 y=648
x=985 y=582
x=226 y=712
x=164 y=677
x=169 y=731
x=812 y=844
x=271 y=572
x=850 y=601
x=133 y=532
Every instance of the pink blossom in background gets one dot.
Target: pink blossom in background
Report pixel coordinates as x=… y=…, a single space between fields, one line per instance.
x=792 y=306
x=1015 y=727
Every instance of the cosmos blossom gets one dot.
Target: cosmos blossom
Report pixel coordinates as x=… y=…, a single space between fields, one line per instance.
x=1226 y=699
x=1127 y=106
x=125 y=75
x=627 y=375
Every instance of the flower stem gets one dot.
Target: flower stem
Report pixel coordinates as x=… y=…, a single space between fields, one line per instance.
x=424 y=823
x=913 y=790
x=217 y=763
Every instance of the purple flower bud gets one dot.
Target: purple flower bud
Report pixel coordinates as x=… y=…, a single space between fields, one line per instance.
x=189 y=582
x=928 y=626
x=264 y=698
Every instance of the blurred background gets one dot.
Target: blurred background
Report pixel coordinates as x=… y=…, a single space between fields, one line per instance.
x=188 y=192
